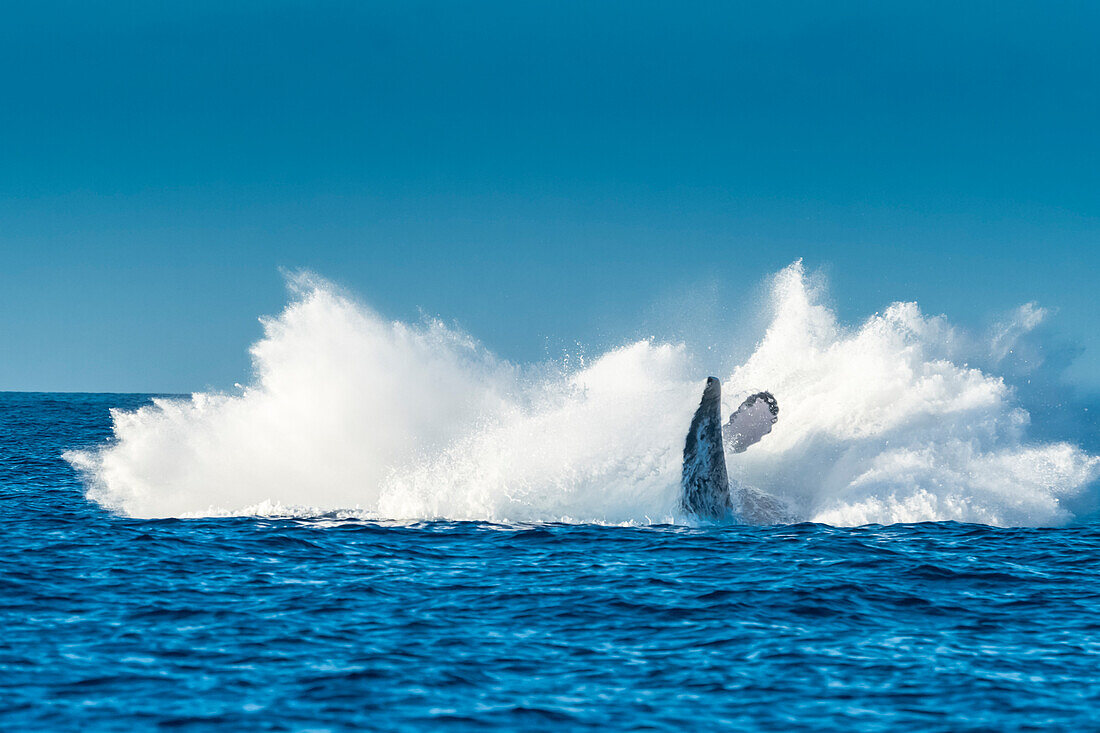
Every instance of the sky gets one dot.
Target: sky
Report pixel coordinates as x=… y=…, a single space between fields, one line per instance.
x=543 y=175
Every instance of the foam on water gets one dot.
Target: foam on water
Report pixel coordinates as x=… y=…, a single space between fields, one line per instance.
x=900 y=419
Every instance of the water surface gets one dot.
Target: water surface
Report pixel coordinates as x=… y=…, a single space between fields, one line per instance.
x=113 y=623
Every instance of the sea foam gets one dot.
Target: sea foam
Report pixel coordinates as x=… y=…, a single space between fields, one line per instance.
x=899 y=419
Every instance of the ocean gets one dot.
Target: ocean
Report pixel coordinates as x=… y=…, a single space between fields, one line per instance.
x=391 y=527
x=346 y=620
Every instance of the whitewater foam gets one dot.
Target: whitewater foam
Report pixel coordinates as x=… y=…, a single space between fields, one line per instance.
x=348 y=412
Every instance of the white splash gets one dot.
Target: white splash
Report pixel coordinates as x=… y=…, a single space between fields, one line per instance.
x=882 y=423
x=348 y=412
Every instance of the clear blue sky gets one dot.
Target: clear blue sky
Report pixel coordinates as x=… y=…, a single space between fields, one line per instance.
x=540 y=173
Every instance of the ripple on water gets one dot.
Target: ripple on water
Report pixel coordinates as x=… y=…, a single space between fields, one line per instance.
x=239 y=623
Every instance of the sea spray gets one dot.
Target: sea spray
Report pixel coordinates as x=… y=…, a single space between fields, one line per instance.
x=889 y=421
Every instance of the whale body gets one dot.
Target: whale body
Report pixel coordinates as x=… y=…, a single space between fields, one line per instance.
x=705 y=490
x=704 y=484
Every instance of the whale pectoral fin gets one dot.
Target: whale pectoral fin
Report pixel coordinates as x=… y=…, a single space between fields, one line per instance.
x=704 y=484
x=751 y=421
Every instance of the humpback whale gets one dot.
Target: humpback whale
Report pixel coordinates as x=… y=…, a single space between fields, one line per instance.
x=704 y=484
x=705 y=489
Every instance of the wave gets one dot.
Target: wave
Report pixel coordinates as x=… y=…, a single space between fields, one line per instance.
x=899 y=419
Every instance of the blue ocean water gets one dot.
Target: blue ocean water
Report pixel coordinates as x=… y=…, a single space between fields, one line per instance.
x=113 y=623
